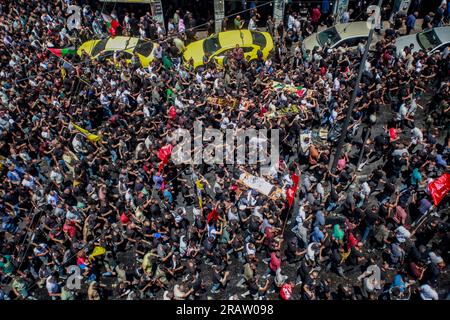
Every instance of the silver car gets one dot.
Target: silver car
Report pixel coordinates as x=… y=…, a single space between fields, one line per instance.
x=348 y=34
x=430 y=41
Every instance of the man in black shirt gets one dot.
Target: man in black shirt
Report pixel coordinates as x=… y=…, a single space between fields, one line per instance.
x=292 y=251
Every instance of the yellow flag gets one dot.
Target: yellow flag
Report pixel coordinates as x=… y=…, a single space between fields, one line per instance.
x=199 y=184
x=199 y=192
x=98 y=251
x=1 y=162
x=91 y=137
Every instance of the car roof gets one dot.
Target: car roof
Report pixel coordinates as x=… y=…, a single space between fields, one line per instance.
x=443 y=33
x=121 y=43
x=405 y=41
x=231 y=38
x=352 y=29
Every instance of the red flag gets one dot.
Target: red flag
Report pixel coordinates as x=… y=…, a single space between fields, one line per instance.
x=111 y=24
x=286 y=291
x=61 y=53
x=213 y=215
x=165 y=152
x=290 y=195
x=172 y=113
x=439 y=188
x=296 y=179
x=124 y=219
x=160 y=167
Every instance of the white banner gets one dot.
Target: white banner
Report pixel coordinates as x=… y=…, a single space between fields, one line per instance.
x=256 y=183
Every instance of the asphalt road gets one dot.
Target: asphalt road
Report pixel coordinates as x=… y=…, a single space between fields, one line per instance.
x=236 y=268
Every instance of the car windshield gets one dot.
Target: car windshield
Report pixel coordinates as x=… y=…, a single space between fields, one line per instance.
x=211 y=45
x=428 y=40
x=329 y=36
x=144 y=48
x=99 y=47
x=259 y=39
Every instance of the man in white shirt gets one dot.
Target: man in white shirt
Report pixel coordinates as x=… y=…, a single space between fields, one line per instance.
x=402 y=112
x=402 y=234
x=252 y=24
x=345 y=18
x=417 y=135
x=56 y=176
x=300 y=218
x=291 y=21
x=29 y=181
x=428 y=293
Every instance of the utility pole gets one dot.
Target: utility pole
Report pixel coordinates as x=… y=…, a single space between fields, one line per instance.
x=344 y=130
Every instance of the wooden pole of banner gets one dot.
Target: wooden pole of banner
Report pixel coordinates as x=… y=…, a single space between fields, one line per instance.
x=287 y=217
x=421 y=220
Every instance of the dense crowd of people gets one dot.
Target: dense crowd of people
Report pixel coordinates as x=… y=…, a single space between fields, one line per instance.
x=82 y=182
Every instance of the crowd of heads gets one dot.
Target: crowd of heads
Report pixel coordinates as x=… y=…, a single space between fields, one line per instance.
x=82 y=183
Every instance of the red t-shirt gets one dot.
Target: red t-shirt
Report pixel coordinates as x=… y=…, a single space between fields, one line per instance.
x=70 y=229
x=275 y=262
x=124 y=219
x=315 y=15
x=269 y=236
x=351 y=241
x=81 y=260
x=392 y=134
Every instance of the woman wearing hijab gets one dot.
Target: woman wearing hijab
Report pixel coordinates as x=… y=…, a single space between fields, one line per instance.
x=181 y=26
x=416 y=177
x=338 y=234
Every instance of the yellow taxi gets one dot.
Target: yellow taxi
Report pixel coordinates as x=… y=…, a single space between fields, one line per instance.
x=127 y=46
x=216 y=46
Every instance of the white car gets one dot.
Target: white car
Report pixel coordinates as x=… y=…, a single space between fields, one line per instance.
x=430 y=41
x=349 y=34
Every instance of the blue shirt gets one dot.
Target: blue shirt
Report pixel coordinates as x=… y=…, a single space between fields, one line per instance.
x=16 y=174
x=13 y=176
x=320 y=219
x=398 y=282
x=317 y=235
x=158 y=181
x=440 y=161
x=411 y=21
x=168 y=195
